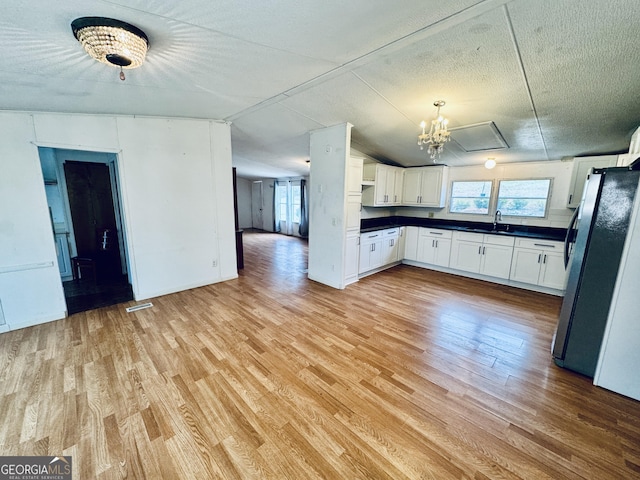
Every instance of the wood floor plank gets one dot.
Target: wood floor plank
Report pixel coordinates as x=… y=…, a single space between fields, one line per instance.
x=406 y=374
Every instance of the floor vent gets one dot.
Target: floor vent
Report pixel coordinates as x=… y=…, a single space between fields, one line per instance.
x=135 y=308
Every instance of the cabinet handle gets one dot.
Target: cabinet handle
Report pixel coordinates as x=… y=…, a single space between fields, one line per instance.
x=480 y=250
x=544 y=259
x=435 y=233
x=544 y=245
x=570 y=197
x=483 y=250
x=436 y=243
x=373 y=247
x=392 y=242
x=433 y=243
x=539 y=256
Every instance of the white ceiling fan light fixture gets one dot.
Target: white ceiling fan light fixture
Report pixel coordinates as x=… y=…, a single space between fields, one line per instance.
x=437 y=135
x=111 y=41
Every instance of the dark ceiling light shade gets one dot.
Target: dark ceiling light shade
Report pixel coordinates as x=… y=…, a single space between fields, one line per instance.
x=111 y=41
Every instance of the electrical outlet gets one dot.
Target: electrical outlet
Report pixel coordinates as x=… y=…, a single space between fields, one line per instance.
x=214 y=263
x=430 y=214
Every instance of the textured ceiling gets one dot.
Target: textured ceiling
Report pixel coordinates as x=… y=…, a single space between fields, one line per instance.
x=558 y=78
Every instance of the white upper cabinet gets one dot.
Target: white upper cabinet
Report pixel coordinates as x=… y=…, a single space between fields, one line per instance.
x=581 y=167
x=386 y=190
x=354 y=175
x=425 y=186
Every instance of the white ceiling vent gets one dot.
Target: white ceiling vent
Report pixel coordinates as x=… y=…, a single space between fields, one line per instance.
x=478 y=137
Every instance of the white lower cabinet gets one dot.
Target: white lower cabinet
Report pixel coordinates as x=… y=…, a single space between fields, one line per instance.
x=485 y=254
x=434 y=246
x=370 y=251
x=378 y=249
x=352 y=258
x=390 y=245
x=412 y=235
x=539 y=262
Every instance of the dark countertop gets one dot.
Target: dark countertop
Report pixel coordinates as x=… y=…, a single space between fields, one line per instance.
x=546 y=233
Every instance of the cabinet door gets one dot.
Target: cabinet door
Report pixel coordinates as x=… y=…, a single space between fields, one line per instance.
x=427 y=249
x=370 y=254
x=353 y=212
x=389 y=250
x=496 y=260
x=411 y=186
x=466 y=255
x=402 y=240
x=352 y=258
x=552 y=272
x=354 y=176
x=431 y=187
x=411 y=243
x=442 y=253
x=381 y=192
x=398 y=180
x=526 y=265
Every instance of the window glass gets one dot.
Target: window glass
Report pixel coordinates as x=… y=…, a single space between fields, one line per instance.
x=295 y=194
x=281 y=194
x=524 y=198
x=470 y=197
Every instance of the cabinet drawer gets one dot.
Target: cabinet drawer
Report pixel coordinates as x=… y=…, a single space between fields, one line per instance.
x=468 y=236
x=540 y=244
x=370 y=237
x=434 y=232
x=499 y=240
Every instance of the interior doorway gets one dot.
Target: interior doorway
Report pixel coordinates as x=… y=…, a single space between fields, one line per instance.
x=83 y=197
x=257 y=205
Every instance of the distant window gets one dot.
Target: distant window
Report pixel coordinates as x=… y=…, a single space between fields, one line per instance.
x=281 y=195
x=524 y=198
x=295 y=194
x=470 y=197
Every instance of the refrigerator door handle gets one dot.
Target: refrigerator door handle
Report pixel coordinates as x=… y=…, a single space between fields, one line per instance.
x=567 y=238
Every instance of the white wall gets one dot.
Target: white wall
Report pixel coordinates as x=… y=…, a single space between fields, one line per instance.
x=177 y=201
x=558 y=214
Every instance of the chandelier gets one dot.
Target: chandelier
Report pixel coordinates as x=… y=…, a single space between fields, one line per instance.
x=111 y=41
x=438 y=134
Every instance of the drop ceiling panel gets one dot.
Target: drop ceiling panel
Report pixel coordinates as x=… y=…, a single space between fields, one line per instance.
x=183 y=58
x=581 y=60
x=474 y=67
x=340 y=100
x=333 y=30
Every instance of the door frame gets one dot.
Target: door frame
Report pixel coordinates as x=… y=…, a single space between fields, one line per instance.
x=112 y=161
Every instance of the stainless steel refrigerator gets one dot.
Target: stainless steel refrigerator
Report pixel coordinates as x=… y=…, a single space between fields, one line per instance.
x=602 y=225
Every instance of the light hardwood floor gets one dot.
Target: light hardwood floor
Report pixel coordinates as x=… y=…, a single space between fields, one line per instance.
x=407 y=374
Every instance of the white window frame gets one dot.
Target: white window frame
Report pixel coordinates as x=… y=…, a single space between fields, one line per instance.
x=489 y=198
x=547 y=200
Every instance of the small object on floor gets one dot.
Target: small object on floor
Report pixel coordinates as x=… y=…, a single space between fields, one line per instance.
x=139 y=307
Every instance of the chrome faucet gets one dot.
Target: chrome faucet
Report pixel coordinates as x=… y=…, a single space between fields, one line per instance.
x=497 y=218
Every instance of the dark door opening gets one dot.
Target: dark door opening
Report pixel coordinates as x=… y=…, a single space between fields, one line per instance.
x=98 y=279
